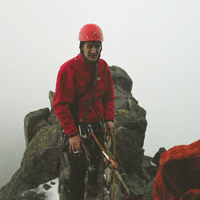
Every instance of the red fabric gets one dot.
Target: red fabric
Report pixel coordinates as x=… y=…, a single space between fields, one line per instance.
x=170 y=182
x=192 y=194
x=73 y=79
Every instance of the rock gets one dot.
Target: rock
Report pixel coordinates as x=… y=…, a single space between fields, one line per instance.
x=31 y=120
x=40 y=125
x=130 y=132
x=121 y=80
x=29 y=195
x=122 y=86
x=130 y=122
x=149 y=169
x=133 y=119
x=148 y=191
x=51 y=97
x=42 y=156
x=137 y=184
x=156 y=158
x=15 y=186
x=44 y=159
x=130 y=154
x=64 y=174
x=46 y=186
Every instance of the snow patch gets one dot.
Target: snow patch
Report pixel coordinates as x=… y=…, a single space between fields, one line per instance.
x=52 y=193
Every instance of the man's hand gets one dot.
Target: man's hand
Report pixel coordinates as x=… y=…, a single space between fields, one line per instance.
x=110 y=128
x=75 y=144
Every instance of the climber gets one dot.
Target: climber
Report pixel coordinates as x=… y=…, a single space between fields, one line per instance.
x=85 y=95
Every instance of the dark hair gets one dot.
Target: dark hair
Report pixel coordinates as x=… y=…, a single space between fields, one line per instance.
x=81 y=44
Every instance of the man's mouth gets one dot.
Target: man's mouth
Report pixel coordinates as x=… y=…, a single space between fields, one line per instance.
x=93 y=56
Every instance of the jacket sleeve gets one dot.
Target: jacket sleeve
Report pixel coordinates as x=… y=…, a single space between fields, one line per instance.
x=108 y=99
x=64 y=96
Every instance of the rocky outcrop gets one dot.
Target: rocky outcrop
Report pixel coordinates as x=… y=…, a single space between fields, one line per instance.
x=34 y=121
x=130 y=122
x=42 y=160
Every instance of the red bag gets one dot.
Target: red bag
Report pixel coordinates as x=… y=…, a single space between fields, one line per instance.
x=179 y=173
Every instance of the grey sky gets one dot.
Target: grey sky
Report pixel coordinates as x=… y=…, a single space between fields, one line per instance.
x=156 y=42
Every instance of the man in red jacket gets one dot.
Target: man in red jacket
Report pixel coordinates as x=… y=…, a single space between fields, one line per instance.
x=85 y=95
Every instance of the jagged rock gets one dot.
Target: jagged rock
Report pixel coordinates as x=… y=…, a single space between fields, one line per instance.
x=157 y=156
x=40 y=162
x=31 y=120
x=122 y=86
x=133 y=119
x=148 y=191
x=42 y=156
x=130 y=154
x=15 y=186
x=64 y=174
x=149 y=169
x=130 y=132
x=51 y=97
x=41 y=159
x=121 y=80
x=137 y=184
x=53 y=119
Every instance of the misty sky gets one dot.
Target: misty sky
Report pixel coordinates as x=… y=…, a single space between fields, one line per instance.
x=156 y=42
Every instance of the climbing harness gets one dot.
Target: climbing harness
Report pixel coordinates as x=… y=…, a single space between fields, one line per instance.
x=86 y=132
x=84 y=135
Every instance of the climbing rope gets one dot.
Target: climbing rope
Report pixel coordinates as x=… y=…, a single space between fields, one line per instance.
x=113 y=174
x=110 y=162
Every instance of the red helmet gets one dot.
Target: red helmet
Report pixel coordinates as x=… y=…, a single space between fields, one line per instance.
x=91 y=32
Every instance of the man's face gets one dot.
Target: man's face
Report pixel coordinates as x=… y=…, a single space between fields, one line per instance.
x=91 y=50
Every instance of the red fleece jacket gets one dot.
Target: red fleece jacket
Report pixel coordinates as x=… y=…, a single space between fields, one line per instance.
x=73 y=79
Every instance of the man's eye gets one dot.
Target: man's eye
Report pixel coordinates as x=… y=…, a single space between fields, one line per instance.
x=90 y=46
x=97 y=46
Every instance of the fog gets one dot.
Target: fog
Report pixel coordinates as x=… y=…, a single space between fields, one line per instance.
x=156 y=42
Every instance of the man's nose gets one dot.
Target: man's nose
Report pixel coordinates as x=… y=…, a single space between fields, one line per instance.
x=93 y=50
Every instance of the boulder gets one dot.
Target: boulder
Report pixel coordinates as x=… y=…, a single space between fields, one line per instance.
x=122 y=86
x=40 y=162
x=41 y=159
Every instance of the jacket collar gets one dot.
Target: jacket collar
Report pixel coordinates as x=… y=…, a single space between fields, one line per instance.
x=84 y=63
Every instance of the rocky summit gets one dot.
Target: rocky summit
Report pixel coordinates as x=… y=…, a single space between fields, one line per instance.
x=44 y=160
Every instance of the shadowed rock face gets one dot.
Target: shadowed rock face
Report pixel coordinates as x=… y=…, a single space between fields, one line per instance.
x=130 y=122
x=42 y=161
